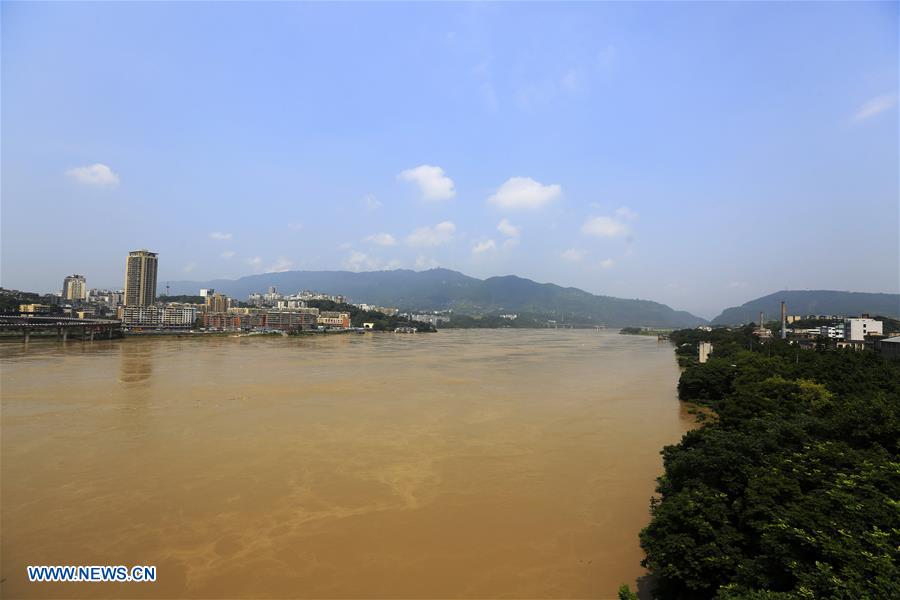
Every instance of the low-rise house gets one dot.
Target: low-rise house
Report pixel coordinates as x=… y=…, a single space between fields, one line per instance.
x=86 y=312
x=340 y=320
x=35 y=309
x=889 y=347
x=832 y=332
x=435 y=320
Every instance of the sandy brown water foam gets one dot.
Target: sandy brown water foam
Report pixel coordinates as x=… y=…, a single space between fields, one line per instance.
x=508 y=463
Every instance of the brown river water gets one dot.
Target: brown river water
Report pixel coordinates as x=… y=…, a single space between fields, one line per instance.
x=472 y=464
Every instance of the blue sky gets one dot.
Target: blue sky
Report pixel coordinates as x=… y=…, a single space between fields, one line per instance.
x=694 y=154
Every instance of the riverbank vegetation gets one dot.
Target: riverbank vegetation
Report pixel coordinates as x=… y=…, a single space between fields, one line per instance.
x=792 y=489
x=649 y=331
x=379 y=320
x=521 y=321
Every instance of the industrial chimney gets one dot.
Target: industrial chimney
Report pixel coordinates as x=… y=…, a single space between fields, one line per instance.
x=783 y=320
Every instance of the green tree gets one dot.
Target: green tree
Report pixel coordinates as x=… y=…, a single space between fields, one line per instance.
x=791 y=490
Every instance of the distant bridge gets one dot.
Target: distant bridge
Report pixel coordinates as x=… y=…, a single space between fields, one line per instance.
x=88 y=328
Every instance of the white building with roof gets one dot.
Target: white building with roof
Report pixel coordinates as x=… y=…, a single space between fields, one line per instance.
x=856 y=330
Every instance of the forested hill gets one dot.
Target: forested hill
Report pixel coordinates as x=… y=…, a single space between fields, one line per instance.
x=438 y=289
x=811 y=302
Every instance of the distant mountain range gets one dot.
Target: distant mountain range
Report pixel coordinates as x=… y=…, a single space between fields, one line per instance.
x=440 y=289
x=812 y=302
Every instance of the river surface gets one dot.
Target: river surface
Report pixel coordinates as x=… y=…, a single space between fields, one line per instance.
x=475 y=464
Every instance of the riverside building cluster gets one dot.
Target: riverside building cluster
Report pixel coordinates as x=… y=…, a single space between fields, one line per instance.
x=139 y=309
x=832 y=331
x=270 y=312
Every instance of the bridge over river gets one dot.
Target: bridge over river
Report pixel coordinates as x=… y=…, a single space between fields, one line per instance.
x=84 y=329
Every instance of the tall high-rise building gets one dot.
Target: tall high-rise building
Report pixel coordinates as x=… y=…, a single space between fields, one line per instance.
x=140 y=278
x=74 y=288
x=217 y=303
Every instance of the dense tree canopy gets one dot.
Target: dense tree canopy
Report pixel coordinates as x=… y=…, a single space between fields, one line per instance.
x=791 y=489
x=182 y=298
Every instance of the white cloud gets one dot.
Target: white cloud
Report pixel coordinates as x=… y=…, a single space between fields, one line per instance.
x=423 y=262
x=228 y=254
x=484 y=246
x=482 y=74
x=737 y=284
x=489 y=96
x=537 y=93
x=371 y=202
x=875 y=106
x=189 y=267
x=432 y=182
x=607 y=263
x=218 y=235
x=96 y=174
x=626 y=213
x=255 y=262
x=432 y=236
x=381 y=239
x=573 y=254
x=524 y=192
x=604 y=227
x=571 y=81
x=295 y=226
x=360 y=261
x=280 y=265
x=607 y=56
x=508 y=229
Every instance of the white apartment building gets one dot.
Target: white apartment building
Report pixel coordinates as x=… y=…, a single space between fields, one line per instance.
x=290 y=304
x=179 y=315
x=173 y=315
x=856 y=330
x=704 y=349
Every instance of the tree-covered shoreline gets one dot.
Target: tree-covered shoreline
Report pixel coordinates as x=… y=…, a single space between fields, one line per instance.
x=792 y=488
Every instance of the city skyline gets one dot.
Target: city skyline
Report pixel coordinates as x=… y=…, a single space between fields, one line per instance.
x=672 y=154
